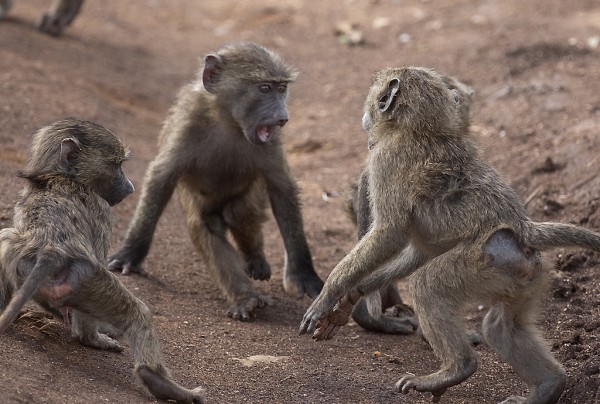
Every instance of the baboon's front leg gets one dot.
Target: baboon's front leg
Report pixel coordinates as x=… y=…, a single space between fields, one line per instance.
x=299 y=276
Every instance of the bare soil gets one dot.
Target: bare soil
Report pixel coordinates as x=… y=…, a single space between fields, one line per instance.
x=535 y=68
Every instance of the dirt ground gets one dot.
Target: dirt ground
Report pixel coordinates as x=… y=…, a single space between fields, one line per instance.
x=535 y=68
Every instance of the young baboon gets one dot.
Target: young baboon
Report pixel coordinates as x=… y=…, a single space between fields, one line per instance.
x=221 y=149
x=53 y=22
x=56 y=251
x=444 y=215
x=369 y=311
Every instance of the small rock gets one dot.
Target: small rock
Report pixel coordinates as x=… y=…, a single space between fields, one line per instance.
x=381 y=22
x=593 y=41
x=404 y=37
x=349 y=34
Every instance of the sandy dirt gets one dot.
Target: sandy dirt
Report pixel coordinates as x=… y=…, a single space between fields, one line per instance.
x=535 y=68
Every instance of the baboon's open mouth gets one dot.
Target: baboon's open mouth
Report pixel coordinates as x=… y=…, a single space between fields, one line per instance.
x=264 y=133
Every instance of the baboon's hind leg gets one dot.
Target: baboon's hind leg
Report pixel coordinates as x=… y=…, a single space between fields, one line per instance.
x=438 y=305
x=103 y=298
x=510 y=327
x=208 y=233
x=244 y=216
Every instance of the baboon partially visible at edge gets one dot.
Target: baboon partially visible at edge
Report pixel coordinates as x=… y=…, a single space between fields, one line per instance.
x=61 y=14
x=444 y=216
x=56 y=251
x=221 y=150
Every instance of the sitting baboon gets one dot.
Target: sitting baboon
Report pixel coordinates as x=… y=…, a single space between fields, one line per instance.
x=444 y=216
x=56 y=251
x=53 y=22
x=221 y=149
x=369 y=312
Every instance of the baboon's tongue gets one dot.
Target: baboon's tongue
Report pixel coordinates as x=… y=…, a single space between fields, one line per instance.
x=264 y=133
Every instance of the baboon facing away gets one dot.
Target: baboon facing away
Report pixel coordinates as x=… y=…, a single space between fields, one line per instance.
x=369 y=312
x=56 y=251
x=53 y=22
x=444 y=216
x=221 y=150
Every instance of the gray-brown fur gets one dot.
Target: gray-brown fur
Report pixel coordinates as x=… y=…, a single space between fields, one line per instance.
x=56 y=251
x=53 y=22
x=444 y=216
x=369 y=312
x=221 y=150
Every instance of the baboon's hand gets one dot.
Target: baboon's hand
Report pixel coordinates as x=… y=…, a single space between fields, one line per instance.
x=329 y=326
x=123 y=262
x=320 y=307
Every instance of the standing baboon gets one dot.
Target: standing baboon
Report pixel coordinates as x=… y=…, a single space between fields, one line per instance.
x=369 y=311
x=444 y=215
x=221 y=149
x=56 y=251
x=62 y=13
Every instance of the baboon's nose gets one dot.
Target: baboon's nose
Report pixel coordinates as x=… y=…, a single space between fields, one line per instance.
x=282 y=122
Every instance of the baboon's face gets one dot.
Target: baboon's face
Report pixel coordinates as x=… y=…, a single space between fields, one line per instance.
x=104 y=172
x=115 y=186
x=251 y=84
x=465 y=94
x=263 y=110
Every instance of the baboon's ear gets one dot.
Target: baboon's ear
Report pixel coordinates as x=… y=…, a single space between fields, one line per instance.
x=69 y=155
x=388 y=96
x=212 y=65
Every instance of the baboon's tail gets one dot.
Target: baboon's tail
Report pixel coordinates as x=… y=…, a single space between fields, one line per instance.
x=36 y=277
x=546 y=235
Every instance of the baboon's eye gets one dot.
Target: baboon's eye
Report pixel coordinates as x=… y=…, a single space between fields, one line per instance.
x=264 y=88
x=455 y=96
x=282 y=88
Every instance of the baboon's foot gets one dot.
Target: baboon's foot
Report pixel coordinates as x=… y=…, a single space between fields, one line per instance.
x=244 y=308
x=258 y=268
x=298 y=283
x=437 y=382
x=55 y=21
x=100 y=341
x=51 y=24
x=166 y=389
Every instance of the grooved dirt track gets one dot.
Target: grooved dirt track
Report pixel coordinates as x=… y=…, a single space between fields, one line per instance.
x=534 y=67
